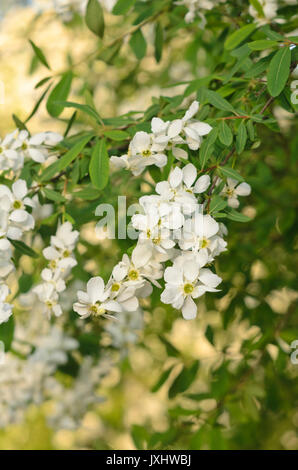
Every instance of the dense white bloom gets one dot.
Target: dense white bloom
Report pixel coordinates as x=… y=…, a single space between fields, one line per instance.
x=151 y=149
x=233 y=189
x=64 y=8
x=60 y=261
x=36 y=147
x=5 y=308
x=24 y=382
x=201 y=233
x=71 y=404
x=195 y=9
x=6 y=265
x=187 y=280
x=179 y=188
x=14 y=218
x=10 y=159
x=95 y=301
x=52 y=349
x=269 y=8
x=143 y=151
x=48 y=295
x=126 y=329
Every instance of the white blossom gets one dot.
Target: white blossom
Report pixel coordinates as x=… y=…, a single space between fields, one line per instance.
x=233 y=189
x=5 y=308
x=187 y=280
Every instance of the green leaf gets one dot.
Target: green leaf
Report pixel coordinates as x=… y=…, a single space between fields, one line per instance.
x=258 y=7
x=89 y=193
x=207 y=147
x=241 y=138
x=123 y=6
x=138 y=44
x=116 y=135
x=108 y=55
x=183 y=381
x=225 y=134
x=50 y=171
x=38 y=103
x=140 y=436
x=217 y=204
x=74 y=152
x=279 y=70
x=171 y=350
x=231 y=173
x=59 y=93
x=239 y=36
x=20 y=124
x=158 y=42
x=162 y=379
x=7 y=333
x=218 y=101
x=23 y=248
x=82 y=107
x=237 y=216
x=99 y=165
x=94 y=18
x=42 y=82
x=262 y=44
x=39 y=54
x=53 y=195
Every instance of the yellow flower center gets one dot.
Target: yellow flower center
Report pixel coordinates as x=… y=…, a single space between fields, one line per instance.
x=49 y=304
x=229 y=192
x=133 y=275
x=115 y=287
x=146 y=153
x=17 y=204
x=96 y=310
x=24 y=146
x=205 y=243
x=53 y=264
x=66 y=254
x=188 y=288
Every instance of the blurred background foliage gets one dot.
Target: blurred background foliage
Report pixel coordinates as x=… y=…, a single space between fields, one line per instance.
x=233 y=362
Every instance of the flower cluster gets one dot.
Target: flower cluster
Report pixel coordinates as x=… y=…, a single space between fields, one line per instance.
x=19 y=145
x=32 y=381
x=151 y=149
x=173 y=226
x=196 y=9
x=14 y=221
x=269 y=11
x=60 y=261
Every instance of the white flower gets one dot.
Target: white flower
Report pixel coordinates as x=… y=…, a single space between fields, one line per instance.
x=54 y=277
x=9 y=158
x=187 y=280
x=14 y=203
x=143 y=151
x=48 y=296
x=233 y=189
x=199 y=233
x=5 y=308
x=35 y=147
x=187 y=130
x=95 y=301
x=180 y=187
x=269 y=8
x=6 y=266
x=59 y=253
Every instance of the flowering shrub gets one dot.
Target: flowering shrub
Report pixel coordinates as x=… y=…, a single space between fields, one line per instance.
x=69 y=311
